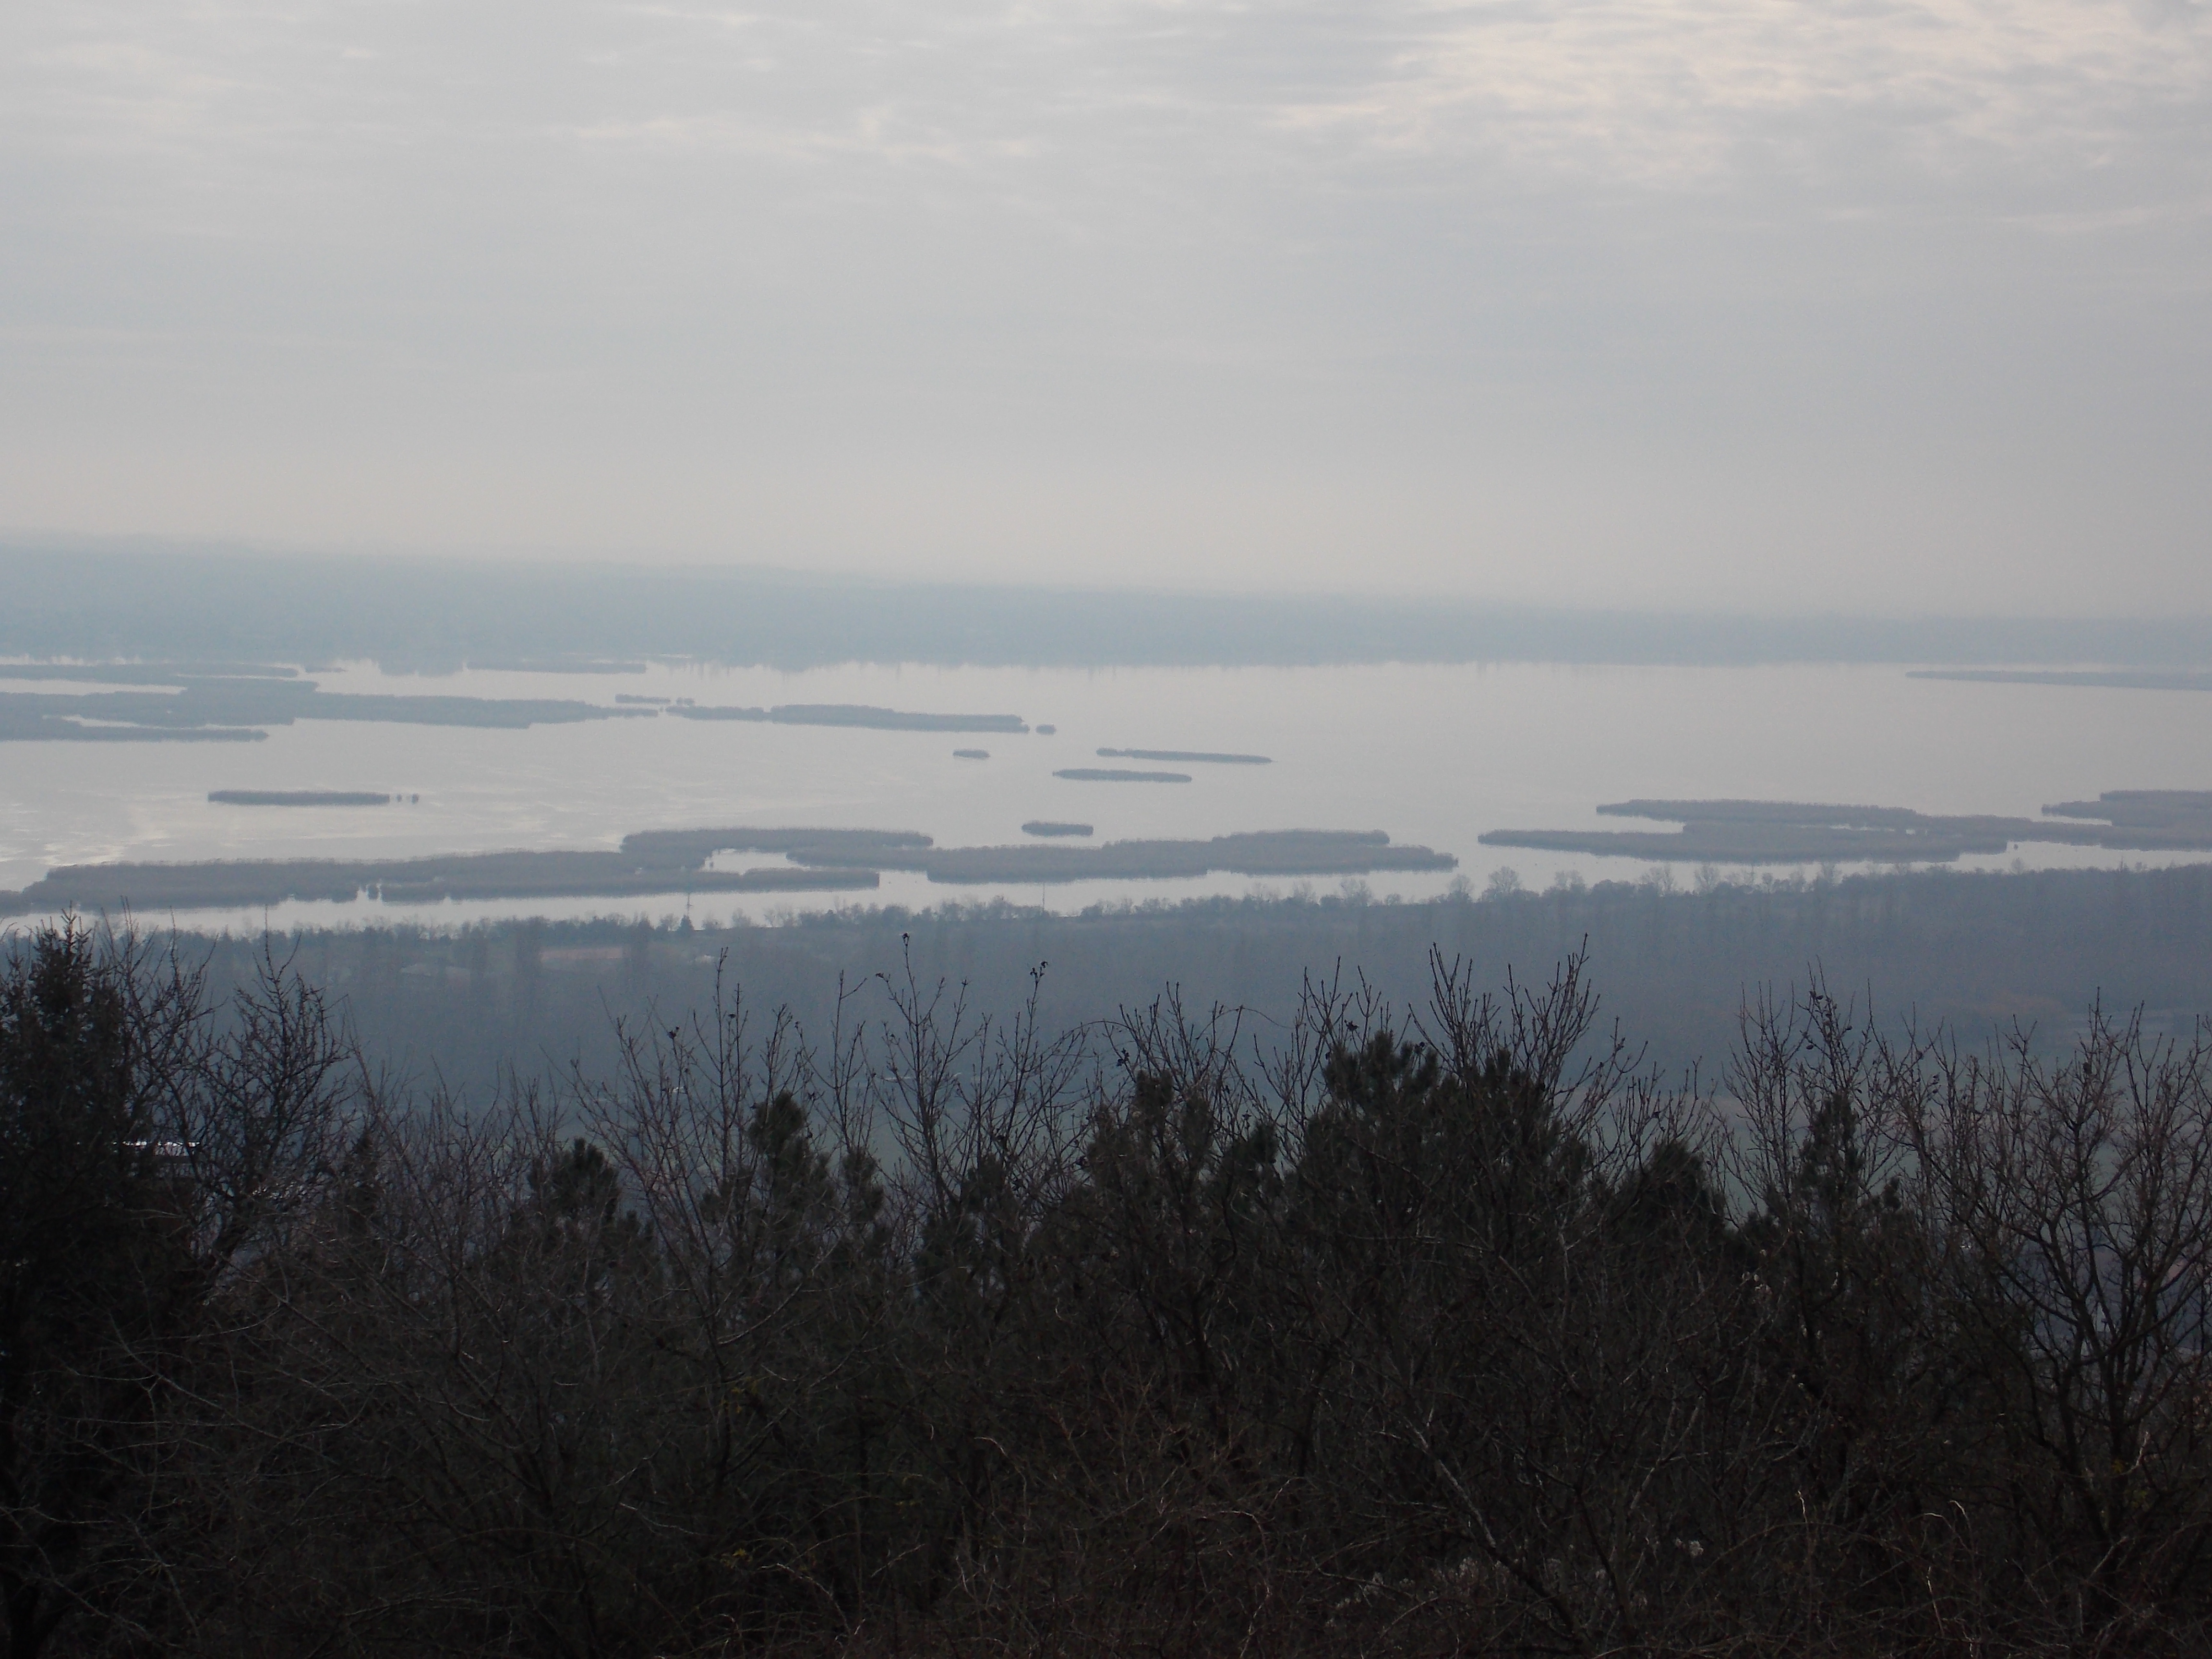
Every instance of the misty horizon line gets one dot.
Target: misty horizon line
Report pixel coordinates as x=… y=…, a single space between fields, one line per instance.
x=17 y=542
x=92 y=598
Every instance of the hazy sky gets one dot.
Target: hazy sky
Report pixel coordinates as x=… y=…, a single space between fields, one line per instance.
x=1877 y=306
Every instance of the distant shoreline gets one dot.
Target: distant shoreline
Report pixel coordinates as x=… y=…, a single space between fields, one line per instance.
x=83 y=596
x=2127 y=680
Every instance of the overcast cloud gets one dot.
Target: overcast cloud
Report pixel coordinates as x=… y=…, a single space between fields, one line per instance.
x=1871 y=306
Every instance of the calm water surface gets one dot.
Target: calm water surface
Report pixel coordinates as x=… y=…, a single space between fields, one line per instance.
x=1432 y=754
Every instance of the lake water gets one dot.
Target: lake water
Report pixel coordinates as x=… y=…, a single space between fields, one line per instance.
x=1432 y=754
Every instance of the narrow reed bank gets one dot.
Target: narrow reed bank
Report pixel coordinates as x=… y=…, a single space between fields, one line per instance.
x=1382 y=1331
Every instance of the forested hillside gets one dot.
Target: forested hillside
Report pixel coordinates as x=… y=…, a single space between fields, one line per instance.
x=1975 y=950
x=1433 y=1330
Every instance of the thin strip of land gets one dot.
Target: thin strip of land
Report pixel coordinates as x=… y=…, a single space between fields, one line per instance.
x=297 y=797
x=2125 y=679
x=554 y=665
x=1284 y=853
x=1117 y=775
x=856 y=714
x=241 y=710
x=145 y=673
x=112 y=888
x=675 y=861
x=1187 y=757
x=32 y=725
x=1797 y=832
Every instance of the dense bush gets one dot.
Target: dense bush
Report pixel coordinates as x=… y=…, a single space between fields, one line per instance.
x=1377 y=1332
